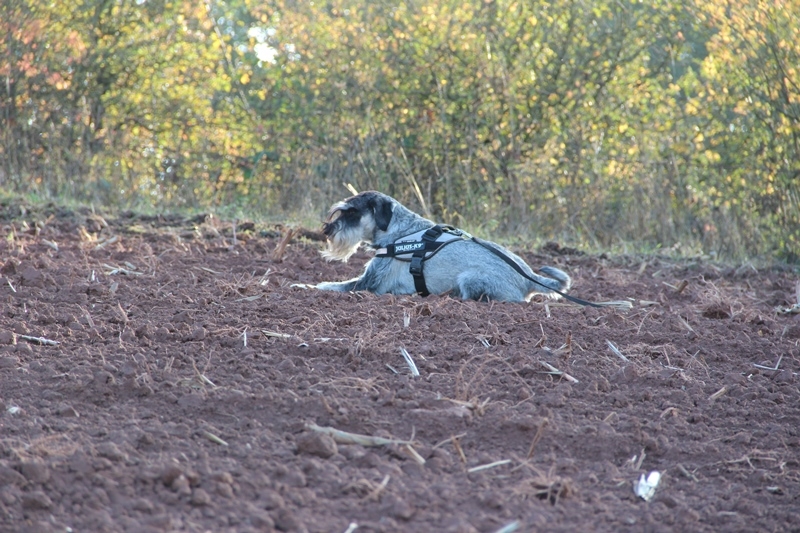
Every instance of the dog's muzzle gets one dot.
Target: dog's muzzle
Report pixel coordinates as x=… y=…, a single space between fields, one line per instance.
x=329 y=228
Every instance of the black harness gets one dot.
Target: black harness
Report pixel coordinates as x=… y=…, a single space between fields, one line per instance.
x=421 y=246
x=418 y=247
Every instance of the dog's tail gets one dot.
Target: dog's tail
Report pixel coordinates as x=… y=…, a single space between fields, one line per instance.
x=556 y=279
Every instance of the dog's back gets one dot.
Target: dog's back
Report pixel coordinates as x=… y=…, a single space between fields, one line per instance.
x=482 y=275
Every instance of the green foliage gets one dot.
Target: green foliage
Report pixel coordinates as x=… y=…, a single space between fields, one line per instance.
x=587 y=121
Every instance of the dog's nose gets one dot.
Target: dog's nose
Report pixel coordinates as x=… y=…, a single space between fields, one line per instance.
x=328 y=228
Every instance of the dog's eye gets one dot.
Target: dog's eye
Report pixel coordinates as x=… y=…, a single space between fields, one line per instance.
x=348 y=213
x=351 y=213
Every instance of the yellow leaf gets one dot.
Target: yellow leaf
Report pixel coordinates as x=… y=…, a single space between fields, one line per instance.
x=244 y=79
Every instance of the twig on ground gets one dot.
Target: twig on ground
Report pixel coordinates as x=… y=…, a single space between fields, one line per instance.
x=210 y=271
x=668 y=411
x=213 y=438
x=537 y=437
x=616 y=351
x=641 y=460
x=543 y=340
x=345 y=437
x=686 y=473
x=280 y=249
x=488 y=466
x=265 y=278
x=410 y=362
x=641 y=324
x=122 y=314
x=635 y=462
x=112 y=270
x=416 y=457
x=376 y=492
x=445 y=441
x=553 y=370
x=201 y=376
x=509 y=528
x=249 y=298
x=106 y=242
x=10 y=285
x=611 y=417
x=88 y=316
x=685 y=323
x=473 y=405
x=775 y=368
x=276 y=334
x=721 y=392
x=38 y=340
x=457 y=445
x=679 y=288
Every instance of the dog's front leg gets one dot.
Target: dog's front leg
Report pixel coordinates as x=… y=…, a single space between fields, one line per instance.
x=368 y=281
x=340 y=286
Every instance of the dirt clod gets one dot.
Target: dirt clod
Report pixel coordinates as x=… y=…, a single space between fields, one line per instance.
x=36 y=500
x=35 y=471
x=317 y=444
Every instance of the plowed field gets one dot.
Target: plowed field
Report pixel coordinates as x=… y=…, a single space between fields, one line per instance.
x=160 y=374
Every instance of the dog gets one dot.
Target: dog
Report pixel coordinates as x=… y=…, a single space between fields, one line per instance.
x=463 y=267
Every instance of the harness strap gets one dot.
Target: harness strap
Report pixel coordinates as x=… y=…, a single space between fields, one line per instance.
x=513 y=264
x=417 y=258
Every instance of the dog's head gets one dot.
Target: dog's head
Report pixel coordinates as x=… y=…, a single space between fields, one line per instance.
x=355 y=220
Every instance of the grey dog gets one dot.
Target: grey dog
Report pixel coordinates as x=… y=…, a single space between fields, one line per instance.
x=465 y=268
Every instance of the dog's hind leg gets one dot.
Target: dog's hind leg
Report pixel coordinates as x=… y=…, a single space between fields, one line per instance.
x=475 y=286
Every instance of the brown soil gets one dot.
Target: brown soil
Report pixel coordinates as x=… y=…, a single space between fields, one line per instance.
x=188 y=370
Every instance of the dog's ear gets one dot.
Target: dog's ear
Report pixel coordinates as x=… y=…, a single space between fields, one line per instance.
x=382 y=212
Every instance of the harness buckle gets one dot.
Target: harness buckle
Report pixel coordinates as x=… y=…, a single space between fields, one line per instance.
x=416 y=265
x=432 y=234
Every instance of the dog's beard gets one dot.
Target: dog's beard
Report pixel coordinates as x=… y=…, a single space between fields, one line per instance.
x=342 y=244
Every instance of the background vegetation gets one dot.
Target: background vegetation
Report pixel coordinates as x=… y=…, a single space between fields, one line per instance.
x=661 y=123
